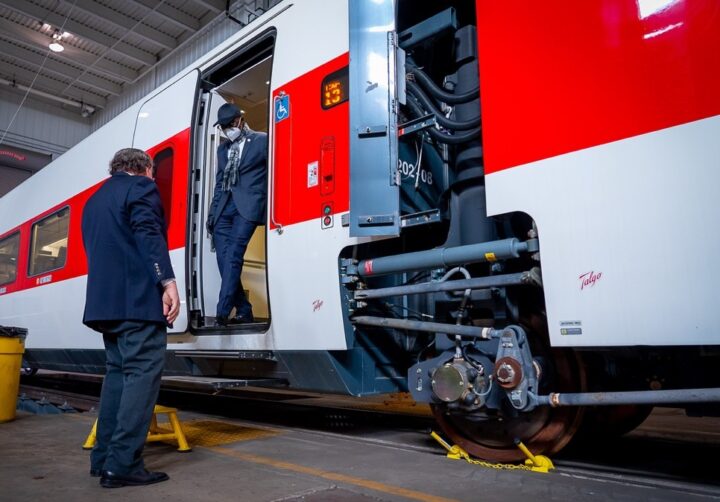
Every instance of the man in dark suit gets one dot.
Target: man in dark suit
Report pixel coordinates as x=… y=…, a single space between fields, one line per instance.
x=131 y=297
x=238 y=207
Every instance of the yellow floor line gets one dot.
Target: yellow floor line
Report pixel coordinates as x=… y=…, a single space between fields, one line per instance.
x=342 y=478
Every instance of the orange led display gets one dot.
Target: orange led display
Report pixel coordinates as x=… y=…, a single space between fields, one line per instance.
x=334 y=89
x=333 y=93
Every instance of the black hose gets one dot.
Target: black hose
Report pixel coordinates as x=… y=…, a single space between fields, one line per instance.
x=438 y=92
x=430 y=106
x=450 y=139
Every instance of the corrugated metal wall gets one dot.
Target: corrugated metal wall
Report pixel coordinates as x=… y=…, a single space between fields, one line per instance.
x=39 y=127
x=216 y=32
x=33 y=127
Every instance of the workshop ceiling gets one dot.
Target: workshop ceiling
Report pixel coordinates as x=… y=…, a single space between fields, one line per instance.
x=106 y=44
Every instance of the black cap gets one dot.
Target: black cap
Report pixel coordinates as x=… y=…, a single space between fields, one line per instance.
x=227 y=113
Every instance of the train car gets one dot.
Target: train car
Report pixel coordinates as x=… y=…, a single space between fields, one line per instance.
x=487 y=204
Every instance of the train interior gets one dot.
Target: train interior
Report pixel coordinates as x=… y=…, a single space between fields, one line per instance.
x=244 y=80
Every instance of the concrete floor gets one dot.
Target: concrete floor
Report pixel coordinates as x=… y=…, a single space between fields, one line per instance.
x=41 y=459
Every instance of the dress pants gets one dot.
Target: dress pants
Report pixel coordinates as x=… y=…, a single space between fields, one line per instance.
x=135 y=356
x=231 y=236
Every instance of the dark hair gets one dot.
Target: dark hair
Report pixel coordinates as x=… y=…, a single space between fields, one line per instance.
x=130 y=160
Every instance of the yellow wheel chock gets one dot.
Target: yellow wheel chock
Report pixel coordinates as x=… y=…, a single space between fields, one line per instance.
x=156 y=433
x=535 y=463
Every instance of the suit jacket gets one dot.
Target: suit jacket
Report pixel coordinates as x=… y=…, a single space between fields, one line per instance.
x=124 y=234
x=250 y=192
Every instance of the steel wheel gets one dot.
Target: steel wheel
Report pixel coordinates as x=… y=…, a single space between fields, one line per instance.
x=544 y=431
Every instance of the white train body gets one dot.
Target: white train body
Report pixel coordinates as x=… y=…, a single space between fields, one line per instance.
x=51 y=311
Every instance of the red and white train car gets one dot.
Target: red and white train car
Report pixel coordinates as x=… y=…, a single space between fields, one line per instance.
x=490 y=204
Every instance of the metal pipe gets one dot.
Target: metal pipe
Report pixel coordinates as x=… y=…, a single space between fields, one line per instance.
x=493 y=281
x=432 y=327
x=443 y=257
x=631 y=397
x=47 y=95
x=463 y=305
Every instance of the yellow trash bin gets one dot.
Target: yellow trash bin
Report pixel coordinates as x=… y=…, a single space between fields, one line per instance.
x=12 y=347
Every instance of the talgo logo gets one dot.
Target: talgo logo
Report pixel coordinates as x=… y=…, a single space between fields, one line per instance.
x=588 y=279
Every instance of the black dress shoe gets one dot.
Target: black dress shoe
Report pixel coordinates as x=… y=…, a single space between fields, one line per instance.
x=220 y=321
x=95 y=473
x=241 y=319
x=111 y=480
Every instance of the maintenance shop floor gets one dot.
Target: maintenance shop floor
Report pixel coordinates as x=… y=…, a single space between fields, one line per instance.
x=41 y=459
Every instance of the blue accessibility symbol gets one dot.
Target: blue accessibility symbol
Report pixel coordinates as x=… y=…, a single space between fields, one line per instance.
x=282 y=108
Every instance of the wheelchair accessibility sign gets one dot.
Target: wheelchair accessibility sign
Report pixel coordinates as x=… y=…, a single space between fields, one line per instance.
x=282 y=108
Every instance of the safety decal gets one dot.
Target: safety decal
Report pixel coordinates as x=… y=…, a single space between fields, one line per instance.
x=570 y=328
x=282 y=107
x=368 y=267
x=312 y=179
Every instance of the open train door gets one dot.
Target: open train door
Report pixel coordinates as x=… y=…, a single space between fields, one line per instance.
x=242 y=78
x=162 y=129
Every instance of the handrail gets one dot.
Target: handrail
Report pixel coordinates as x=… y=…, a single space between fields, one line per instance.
x=271 y=188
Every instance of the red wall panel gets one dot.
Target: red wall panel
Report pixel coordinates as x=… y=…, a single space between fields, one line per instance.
x=558 y=76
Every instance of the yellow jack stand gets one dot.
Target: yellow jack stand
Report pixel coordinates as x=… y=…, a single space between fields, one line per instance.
x=156 y=433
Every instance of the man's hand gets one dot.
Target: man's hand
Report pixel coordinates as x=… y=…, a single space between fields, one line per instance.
x=171 y=302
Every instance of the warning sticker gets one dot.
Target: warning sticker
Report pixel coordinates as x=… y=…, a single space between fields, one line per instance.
x=312 y=174
x=570 y=328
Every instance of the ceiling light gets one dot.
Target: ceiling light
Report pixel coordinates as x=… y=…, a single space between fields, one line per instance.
x=55 y=45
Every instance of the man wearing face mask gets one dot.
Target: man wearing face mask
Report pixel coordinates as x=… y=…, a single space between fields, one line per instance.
x=238 y=207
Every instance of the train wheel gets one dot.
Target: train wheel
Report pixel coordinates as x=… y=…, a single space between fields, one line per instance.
x=544 y=431
x=607 y=422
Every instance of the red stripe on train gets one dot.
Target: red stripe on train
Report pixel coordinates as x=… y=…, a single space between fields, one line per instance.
x=173 y=192
x=311 y=152
x=561 y=76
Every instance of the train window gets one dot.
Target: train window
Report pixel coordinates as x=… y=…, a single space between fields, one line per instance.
x=163 y=172
x=334 y=88
x=8 y=258
x=48 y=244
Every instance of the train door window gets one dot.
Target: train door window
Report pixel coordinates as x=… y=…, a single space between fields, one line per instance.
x=8 y=258
x=163 y=174
x=48 y=244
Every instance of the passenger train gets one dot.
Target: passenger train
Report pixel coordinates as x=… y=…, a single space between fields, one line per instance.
x=506 y=209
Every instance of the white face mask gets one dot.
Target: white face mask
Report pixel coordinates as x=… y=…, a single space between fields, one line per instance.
x=232 y=133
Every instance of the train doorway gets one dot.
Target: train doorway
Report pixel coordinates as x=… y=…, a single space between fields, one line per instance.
x=244 y=81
